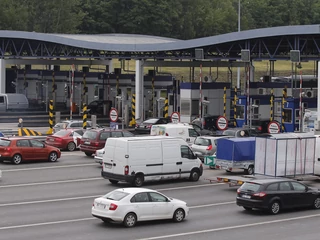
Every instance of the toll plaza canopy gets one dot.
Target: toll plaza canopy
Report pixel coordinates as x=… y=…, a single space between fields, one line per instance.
x=268 y=43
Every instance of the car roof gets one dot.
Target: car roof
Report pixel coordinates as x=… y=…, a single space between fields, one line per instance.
x=135 y=190
x=270 y=180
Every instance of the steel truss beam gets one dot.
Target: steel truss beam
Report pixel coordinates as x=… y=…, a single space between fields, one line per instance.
x=268 y=48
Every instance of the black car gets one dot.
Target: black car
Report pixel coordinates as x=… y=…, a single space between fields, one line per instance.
x=146 y=125
x=209 y=122
x=241 y=132
x=274 y=195
x=201 y=131
x=96 y=107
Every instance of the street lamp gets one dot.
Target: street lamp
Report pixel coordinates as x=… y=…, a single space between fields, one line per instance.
x=120 y=98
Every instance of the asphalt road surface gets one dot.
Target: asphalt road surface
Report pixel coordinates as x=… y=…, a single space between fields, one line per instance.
x=52 y=201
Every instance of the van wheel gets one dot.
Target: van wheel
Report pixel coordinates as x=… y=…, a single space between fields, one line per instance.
x=194 y=175
x=113 y=181
x=88 y=154
x=250 y=170
x=138 y=180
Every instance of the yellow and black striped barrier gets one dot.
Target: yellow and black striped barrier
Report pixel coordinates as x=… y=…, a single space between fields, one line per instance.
x=271 y=105
x=133 y=110
x=224 y=101
x=85 y=116
x=284 y=95
x=166 y=108
x=28 y=132
x=50 y=131
x=235 y=99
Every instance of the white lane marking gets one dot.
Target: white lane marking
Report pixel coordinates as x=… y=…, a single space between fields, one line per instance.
x=212 y=205
x=231 y=227
x=47 y=223
x=193 y=186
x=55 y=182
x=52 y=167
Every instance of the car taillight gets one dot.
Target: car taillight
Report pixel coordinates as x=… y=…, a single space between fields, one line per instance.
x=96 y=144
x=113 y=207
x=238 y=190
x=209 y=147
x=260 y=194
x=126 y=170
x=149 y=126
x=8 y=149
x=167 y=134
x=259 y=128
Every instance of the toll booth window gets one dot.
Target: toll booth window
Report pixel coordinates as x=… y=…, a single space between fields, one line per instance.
x=287 y=115
x=1 y=99
x=240 y=111
x=195 y=107
x=185 y=107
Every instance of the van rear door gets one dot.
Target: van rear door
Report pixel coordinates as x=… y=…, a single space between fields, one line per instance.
x=120 y=160
x=108 y=156
x=3 y=104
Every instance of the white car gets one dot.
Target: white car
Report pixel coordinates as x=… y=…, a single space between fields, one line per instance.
x=98 y=156
x=130 y=205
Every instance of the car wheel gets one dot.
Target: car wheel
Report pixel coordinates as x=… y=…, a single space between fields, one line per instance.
x=138 y=180
x=113 y=181
x=274 y=207
x=248 y=208
x=17 y=159
x=179 y=215
x=71 y=146
x=53 y=157
x=316 y=203
x=88 y=154
x=194 y=175
x=212 y=167
x=250 y=170
x=130 y=220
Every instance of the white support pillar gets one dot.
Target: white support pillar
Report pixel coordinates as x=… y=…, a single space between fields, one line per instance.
x=252 y=70
x=139 y=91
x=107 y=87
x=2 y=76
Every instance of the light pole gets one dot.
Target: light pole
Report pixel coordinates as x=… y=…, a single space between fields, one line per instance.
x=239 y=29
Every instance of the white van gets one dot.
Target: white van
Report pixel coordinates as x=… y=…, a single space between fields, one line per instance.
x=13 y=101
x=180 y=130
x=151 y=158
x=317 y=157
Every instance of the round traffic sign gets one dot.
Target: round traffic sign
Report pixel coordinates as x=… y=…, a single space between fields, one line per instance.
x=175 y=117
x=113 y=114
x=273 y=127
x=222 y=123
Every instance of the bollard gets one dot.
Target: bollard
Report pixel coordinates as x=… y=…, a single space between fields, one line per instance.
x=133 y=111
x=85 y=116
x=166 y=108
x=50 y=131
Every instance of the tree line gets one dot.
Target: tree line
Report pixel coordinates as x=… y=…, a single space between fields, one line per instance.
x=181 y=19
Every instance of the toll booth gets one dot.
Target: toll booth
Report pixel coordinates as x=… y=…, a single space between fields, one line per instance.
x=213 y=95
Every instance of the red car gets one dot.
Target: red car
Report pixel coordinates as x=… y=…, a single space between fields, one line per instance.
x=66 y=139
x=18 y=149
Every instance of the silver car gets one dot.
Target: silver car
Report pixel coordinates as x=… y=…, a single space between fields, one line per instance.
x=74 y=124
x=205 y=145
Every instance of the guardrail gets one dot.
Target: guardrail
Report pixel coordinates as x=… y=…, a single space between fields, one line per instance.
x=12 y=133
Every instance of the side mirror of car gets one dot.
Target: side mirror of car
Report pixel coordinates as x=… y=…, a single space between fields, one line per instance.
x=195 y=156
x=307 y=189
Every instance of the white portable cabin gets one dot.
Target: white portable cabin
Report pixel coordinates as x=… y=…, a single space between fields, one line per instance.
x=285 y=154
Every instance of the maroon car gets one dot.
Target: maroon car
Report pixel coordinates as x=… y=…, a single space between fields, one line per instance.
x=66 y=139
x=95 y=139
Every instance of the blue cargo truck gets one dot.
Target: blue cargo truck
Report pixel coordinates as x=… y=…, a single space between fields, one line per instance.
x=236 y=153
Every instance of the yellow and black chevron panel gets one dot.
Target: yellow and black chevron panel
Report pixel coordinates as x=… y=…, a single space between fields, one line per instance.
x=85 y=116
x=133 y=110
x=166 y=108
x=284 y=95
x=50 y=131
x=271 y=105
x=28 y=132
x=235 y=107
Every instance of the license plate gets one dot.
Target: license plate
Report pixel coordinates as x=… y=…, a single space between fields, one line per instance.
x=101 y=205
x=246 y=196
x=88 y=143
x=52 y=140
x=107 y=165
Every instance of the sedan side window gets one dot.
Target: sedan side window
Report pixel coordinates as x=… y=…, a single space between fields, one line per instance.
x=272 y=187
x=140 y=197
x=298 y=186
x=23 y=143
x=285 y=186
x=156 y=197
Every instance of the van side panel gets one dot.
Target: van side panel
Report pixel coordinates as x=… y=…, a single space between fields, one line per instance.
x=171 y=159
x=146 y=157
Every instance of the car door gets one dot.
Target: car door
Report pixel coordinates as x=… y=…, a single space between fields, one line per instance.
x=286 y=194
x=25 y=149
x=161 y=208
x=39 y=150
x=142 y=206
x=300 y=195
x=77 y=135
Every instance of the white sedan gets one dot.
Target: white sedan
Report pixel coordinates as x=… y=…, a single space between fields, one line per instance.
x=130 y=205
x=99 y=155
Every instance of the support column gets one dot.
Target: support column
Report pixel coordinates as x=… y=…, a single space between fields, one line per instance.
x=2 y=76
x=139 y=91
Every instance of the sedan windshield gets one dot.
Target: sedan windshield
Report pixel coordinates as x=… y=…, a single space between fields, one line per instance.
x=151 y=121
x=116 y=195
x=61 y=133
x=202 y=142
